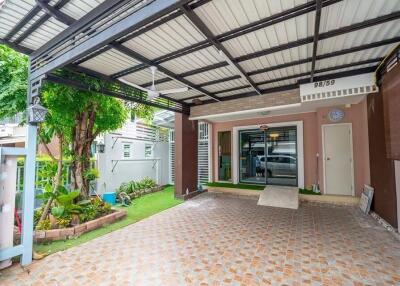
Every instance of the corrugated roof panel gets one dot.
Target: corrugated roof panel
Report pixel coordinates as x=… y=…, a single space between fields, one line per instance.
x=230 y=93
x=142 y=76
x=281 y=73
x=12 y=13
x=78 y=8
x=346 y=69
x=44 y=33
x=192 y=61
x=166 y=38
x=110 y=62
x=169 y=85
x=30 y=23
x=225 y=15
x=354 y=57
x=365 y=36
x=349 y=12
x=277 y=58
x=183 y=95
x=225 y=85
x=272 y=36
x=215 y=74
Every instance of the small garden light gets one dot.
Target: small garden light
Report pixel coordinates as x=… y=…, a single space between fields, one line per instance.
x=100 y=147
x=36 y=112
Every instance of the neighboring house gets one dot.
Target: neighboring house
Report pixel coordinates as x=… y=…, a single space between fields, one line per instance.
x=139 y=150
x=135 y=151
x=12 y=134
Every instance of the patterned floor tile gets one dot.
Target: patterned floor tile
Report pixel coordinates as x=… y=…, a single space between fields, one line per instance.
x=226 y=241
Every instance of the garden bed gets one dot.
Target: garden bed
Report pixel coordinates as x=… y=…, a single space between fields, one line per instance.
x=40 y=236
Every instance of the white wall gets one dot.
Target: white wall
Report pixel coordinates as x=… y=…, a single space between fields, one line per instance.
x=134 y=168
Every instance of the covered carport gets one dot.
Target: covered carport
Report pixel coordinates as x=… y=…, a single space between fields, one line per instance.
x=220 y=50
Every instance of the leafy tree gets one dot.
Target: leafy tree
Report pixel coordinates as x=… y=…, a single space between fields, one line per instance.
x=75 y=117
x=13 y=79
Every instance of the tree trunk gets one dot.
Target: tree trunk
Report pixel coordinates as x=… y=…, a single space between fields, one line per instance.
x=83 y=135
x=57 y=179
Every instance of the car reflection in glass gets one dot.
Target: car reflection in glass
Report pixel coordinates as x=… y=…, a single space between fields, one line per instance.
x=277 y=166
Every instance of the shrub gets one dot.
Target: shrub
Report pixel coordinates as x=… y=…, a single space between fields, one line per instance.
x=44 y=225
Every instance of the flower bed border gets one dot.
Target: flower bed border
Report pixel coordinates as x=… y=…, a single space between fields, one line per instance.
x=40 y=236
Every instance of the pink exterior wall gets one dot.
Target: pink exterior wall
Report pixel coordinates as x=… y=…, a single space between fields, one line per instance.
x=312 y=121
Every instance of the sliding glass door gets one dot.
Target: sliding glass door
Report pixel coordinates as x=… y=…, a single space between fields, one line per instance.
x=252 y=157
x=281 y=153
x=268 y=157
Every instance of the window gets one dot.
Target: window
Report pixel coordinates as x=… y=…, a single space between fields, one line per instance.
x=148 y=151
x=127 y=150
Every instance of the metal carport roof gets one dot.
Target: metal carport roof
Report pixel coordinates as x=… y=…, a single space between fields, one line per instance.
x=221 y=49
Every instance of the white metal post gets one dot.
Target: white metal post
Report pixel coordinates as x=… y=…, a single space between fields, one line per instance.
x=28 y=195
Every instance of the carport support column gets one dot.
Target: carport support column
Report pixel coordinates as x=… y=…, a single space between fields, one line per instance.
x=185 y=155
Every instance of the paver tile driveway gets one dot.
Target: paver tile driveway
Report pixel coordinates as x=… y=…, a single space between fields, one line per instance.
x=227 y=241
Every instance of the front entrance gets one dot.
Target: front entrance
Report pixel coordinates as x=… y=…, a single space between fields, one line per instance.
x=338 y=159
x=268 y=157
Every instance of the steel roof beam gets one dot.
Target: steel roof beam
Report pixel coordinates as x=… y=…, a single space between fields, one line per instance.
x=16 y=47
x=57 y=14
x=147 y=28
x=316 y=36
x=165 y=71
x=39 y=22
x=340 y=74
x=32 y=13
x=294 y=86
x=263 y=23
x=298 y=62
x=304 y=74
x=327 y=56
x=107 y=92
x=143 y=16
x=326 y=35
x=211 y=38
x=322 y=36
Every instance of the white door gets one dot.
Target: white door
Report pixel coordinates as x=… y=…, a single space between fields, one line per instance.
x=338 y=161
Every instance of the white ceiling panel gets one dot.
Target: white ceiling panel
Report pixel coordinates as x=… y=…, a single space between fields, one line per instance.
x=77 y=8
x=225 y=85
x=349 y=12
x=212 y=75
x=12 y=13
x=198 y=59
x=109 y=62
x=142 y=76
x=166 y=38
x=225 y=15
x=272 y=36
x=277 y=58
x=240 y=91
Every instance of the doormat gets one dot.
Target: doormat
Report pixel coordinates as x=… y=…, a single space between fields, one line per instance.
x=280 y=197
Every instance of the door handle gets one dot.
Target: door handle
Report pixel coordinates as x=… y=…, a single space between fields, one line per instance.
x=328 y=158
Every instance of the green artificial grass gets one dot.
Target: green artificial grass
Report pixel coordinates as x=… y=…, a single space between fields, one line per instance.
x=140 y=208
x=308 y=192
x=255 y=187
x=237 y=186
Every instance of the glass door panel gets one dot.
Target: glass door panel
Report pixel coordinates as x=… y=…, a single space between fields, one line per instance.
x=252 y=157
x=224 y=156
x=281 y=153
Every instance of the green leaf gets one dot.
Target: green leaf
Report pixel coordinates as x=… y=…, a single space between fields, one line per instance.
x=57 y=211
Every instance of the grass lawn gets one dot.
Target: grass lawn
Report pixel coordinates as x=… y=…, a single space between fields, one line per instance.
x=255 y=187
x=237 y=186
x=139 y=209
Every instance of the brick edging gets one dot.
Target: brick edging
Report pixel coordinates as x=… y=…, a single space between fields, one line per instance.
x=65 y=233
